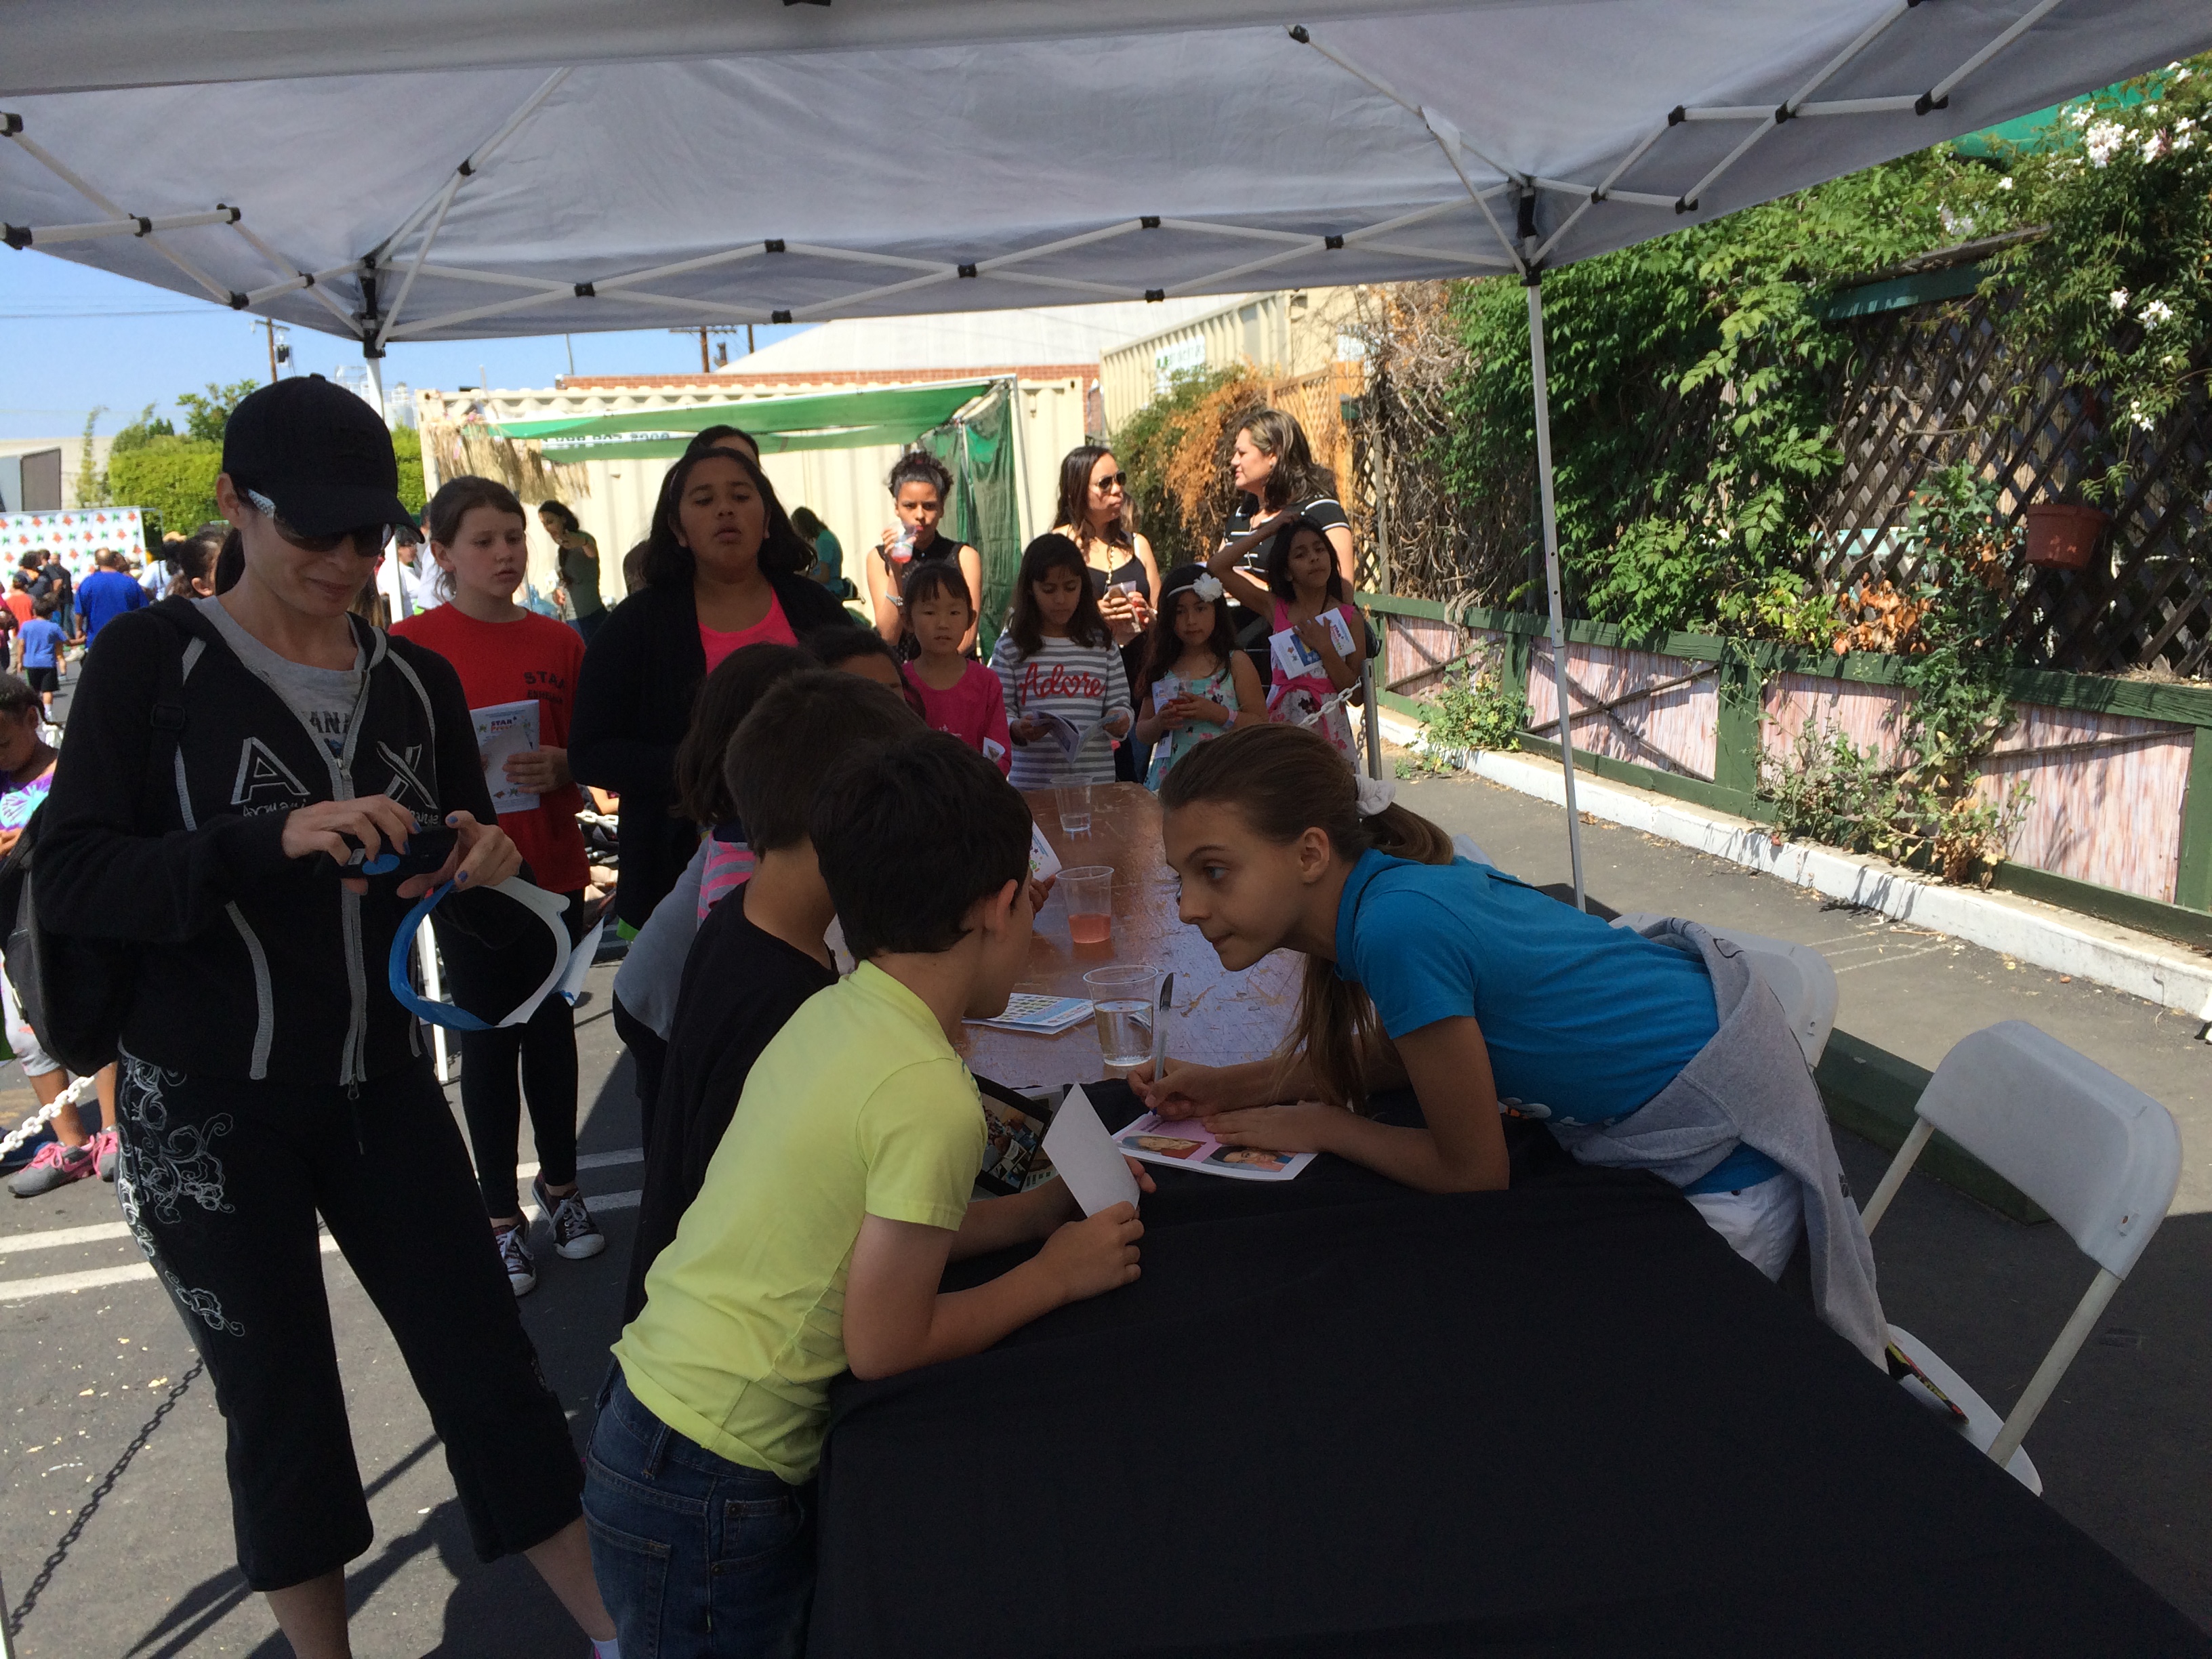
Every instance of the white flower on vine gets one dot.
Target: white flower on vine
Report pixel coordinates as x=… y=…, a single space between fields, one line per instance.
x=2119 y=299
x=2004 y=183
x=2081 y=115
x=2154 y=146
x=2103 y=141
x=2142 y=417
x=2186 y=124
x=2186 y=141
x=2155 y=312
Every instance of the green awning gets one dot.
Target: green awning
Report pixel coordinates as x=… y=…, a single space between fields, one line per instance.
x=833 y=420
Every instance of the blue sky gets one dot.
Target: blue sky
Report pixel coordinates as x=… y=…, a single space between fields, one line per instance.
x=72 y=337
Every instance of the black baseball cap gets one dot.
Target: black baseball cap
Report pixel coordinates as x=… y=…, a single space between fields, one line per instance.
x=319 y=452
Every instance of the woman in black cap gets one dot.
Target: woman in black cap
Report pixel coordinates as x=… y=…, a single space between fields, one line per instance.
x=229 y=757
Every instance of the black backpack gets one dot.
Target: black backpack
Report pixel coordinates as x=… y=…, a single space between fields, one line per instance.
x=74 y=993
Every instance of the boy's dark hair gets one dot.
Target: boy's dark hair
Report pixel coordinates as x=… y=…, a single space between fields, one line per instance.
x=835 y=644
x=879 y=803
x=43 y=606
x=725 y=697
x=1025 y=621
x=801 y=728
x=16 y=696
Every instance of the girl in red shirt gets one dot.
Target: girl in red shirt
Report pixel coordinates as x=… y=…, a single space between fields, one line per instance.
x=959 y=693
x=505 y=654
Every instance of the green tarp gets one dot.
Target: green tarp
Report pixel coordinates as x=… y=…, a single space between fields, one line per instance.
x=833 y=420
x=984 y=511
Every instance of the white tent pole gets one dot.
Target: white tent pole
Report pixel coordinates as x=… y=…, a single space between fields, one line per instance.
x=376 y=385
x=1536 y=287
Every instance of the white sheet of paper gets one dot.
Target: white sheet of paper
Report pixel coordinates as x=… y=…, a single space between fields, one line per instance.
x=839 y=956
x=505 y=729
x=1043 y=861
x=1086 y=1157
x=579 y=963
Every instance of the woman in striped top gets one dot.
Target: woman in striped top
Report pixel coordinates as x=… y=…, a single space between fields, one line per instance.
x=1062 y=677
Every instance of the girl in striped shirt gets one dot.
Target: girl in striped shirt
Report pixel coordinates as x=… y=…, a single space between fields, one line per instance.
x=1062 y=678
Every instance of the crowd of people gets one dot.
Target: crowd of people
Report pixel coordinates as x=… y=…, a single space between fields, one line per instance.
x=825 y=869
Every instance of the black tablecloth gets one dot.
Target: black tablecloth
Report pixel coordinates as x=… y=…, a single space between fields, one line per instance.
x=1336 y=1417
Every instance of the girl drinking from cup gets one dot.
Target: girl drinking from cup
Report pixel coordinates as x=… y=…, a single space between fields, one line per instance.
x=1313 y=663
x=920 y=490
x=1061 y=677
x=1197 y=684
x=959 y=693
x=507 y=655
x=1663 y=1053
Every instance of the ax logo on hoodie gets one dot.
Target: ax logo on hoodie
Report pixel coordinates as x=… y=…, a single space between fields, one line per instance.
x=264 y=783
x=405 y=778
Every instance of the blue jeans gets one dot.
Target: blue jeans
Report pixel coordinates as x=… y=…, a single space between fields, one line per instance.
x=694 y=1555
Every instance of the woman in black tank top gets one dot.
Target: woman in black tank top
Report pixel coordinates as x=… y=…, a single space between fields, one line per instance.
x=1094 y=515
x=921 y=488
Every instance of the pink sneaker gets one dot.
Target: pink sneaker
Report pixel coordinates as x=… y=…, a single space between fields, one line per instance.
x=55 y=1166
x=106 y=1148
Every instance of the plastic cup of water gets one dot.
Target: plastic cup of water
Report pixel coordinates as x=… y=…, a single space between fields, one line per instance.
x=1090 y=891
x=1074 y=800
x=1124 y=1002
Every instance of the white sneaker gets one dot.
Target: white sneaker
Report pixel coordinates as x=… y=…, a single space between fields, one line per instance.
x=575 y=1235
x=514 y=1256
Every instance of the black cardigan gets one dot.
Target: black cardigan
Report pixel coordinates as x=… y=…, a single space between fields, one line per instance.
x=250 y=964
x=634 y=698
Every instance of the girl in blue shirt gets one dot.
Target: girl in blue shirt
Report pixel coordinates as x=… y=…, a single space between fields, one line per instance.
x=1478 y=990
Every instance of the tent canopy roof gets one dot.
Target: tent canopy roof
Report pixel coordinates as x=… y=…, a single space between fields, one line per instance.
x=568 y=167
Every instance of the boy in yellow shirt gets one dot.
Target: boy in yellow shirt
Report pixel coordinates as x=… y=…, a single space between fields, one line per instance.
x=829 y=1212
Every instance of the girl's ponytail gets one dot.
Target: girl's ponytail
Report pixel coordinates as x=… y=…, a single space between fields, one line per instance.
x=1287 y=780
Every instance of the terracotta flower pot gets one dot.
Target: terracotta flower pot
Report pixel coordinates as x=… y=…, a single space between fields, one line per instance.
x=2061 y=535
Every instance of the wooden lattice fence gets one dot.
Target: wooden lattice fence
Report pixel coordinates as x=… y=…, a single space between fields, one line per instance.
x=1924 y=387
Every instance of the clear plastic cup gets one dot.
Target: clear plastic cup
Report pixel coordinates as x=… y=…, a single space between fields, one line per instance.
x=1074 y=800
x=1089 y=891
x=1124 y=1003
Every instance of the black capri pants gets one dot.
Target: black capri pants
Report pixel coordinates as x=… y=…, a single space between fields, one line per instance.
x=221 y=1182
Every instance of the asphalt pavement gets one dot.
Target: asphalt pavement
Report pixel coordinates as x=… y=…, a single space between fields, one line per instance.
x=119 y=1537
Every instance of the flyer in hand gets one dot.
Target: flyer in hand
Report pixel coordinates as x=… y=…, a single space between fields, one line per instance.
x=1064 y=735
x=1183 y=1144
x=1296 y=658
x=1014 y=1159
x=505 y=729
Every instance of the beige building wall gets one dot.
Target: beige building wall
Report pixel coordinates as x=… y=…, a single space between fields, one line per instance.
x=846 y=487
x=1291 y=331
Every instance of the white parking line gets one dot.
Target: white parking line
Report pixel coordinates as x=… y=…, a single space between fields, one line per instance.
x=98 y=1232
x=92 y=1278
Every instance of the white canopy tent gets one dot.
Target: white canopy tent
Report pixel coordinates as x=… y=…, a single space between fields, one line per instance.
x=441 y=169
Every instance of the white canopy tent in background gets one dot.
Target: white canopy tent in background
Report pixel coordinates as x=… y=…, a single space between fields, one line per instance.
x=443 y=169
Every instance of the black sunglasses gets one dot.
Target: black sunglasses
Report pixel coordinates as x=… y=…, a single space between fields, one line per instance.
x=1111 y=481
x=366 y=540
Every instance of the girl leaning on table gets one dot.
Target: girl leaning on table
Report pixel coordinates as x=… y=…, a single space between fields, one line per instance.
x=1197 y=684
x=508 y=656
x=1663 y=1053
x=1057 y=659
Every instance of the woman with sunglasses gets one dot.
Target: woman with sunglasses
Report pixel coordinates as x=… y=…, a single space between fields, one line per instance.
x=236 y=766
x=1094 y=515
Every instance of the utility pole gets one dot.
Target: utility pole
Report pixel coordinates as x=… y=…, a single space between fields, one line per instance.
x=748 y=339
x=269 y=327
x=705 y=367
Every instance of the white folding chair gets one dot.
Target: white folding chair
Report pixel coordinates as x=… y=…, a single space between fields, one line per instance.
x=2101 y=1155
x=1799 y=975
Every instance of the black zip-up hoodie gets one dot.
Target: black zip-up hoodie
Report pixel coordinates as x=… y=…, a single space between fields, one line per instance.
x=252 y=964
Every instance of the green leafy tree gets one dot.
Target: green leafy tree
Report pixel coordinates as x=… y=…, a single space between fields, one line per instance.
x=206 y=414
x=1690 y=379
x=140 y=432
x=91 y=482
x=171 y=475
x=1145 y=445
x=2120 y=290
x=407 y=448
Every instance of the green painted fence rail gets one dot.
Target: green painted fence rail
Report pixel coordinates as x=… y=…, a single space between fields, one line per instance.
x=1745 y=666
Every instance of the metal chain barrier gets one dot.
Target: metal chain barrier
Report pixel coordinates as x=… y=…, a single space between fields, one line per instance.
x=46 y=1114
x=15 y=1620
